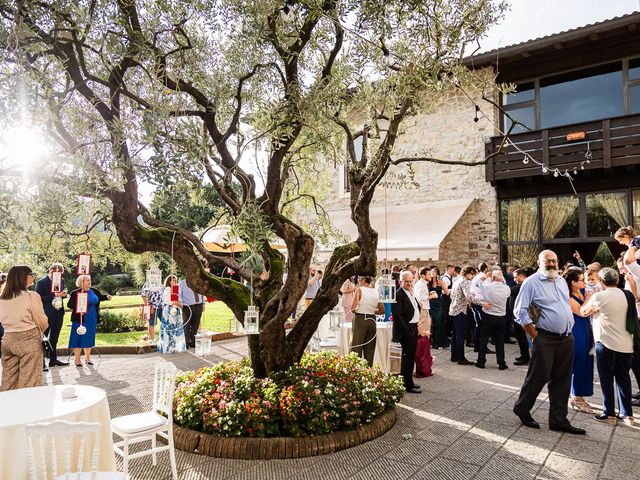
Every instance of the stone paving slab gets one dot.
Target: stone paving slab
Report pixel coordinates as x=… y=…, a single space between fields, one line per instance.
x=460 y=428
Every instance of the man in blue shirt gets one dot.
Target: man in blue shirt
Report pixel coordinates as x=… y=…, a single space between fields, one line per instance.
x=542 y=308
x=192 y=307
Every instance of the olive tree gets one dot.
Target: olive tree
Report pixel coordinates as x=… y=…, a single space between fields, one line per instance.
x=196 y=89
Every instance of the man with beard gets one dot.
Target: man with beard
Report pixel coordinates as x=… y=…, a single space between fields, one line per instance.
x=542 y=308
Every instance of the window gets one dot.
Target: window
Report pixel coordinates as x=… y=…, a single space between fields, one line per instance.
x=593 y=93
x=560 y=217
x=582 y=96
x=636 y=210
x=606 y=212
x=519 y=230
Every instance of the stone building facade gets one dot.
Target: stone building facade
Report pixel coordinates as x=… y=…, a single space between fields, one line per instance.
x=448 y=133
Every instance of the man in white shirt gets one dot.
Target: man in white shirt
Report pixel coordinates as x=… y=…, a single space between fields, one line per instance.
x=421 y=288
x=476 y=310
x=495 y=294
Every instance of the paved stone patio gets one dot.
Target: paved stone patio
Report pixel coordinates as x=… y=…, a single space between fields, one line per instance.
x=461 y=427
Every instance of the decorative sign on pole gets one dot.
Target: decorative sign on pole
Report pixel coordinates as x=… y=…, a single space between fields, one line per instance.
x=154 y=279
x=146 y=312
x=82 y=304
x=84 y=264
x=56 y=282
x=251 y=326
x=387 y=289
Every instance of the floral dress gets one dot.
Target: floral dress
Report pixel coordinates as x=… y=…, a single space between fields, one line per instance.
x=171 y=338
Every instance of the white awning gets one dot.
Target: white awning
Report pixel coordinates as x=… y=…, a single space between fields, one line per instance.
x=413 y=232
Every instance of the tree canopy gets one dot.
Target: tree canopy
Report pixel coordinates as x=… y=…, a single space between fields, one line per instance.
x=130 y=90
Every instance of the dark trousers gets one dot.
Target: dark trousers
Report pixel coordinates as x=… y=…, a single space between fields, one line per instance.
x=409 y=344
x=448 y=324
x=191 y=315
x=552 y=363
x=521 y=338
x=491 y=326
x=635 y=361
x=476 y=311
x=614 y=365
x=457 y=340
x=364 y=333
x=53 y=332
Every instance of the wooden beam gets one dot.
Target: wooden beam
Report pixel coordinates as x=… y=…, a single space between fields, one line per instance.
x=606 y=144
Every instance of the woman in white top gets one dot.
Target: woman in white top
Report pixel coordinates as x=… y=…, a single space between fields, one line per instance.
x=24 y=320
x=365 y=306
x=614 y=346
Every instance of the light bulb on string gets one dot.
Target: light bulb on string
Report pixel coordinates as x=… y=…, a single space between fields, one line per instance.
x=525 y=160
x=544 y=169
x=556 y=173
x=575 y=171
x=581 y=167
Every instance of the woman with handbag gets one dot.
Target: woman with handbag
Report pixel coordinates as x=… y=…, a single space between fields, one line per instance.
x=89 y=320
x=24 y=320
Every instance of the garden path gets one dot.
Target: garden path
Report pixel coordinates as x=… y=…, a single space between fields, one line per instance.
x=461 y=427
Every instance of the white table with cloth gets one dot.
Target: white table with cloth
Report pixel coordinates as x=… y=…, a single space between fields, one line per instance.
x=383 y=340
x=45 y=404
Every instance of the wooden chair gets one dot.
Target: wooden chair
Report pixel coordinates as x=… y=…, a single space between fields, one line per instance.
x=45 y=440
x=141 y=427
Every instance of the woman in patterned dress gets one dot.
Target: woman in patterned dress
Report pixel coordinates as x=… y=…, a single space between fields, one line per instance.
x=171 y=339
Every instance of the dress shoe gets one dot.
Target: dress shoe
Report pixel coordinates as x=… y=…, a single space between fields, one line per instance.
x=58 y=363
x=568 y=428
x=489 y=351
x=635 y=402
x=521 y=362
x=464 y=361
x=454 y=359
x=45 y=369
x=479 y=365
x=414 y=390
x=636 y=395
x=527 y=420
x=503 y=366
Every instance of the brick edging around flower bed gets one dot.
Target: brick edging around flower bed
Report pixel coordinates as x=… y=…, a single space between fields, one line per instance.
x=252 y=448
x=137 y=349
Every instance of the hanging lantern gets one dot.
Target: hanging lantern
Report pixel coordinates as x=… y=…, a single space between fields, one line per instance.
x=336 y=318
x=251 y=321
x=154 y=279
x=387 y=287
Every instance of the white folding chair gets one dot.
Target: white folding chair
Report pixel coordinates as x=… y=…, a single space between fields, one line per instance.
x=141 y=427
x=45 y=440
x=395 y=353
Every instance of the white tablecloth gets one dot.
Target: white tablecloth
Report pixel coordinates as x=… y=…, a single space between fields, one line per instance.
x=383 y=339
x=45 y=404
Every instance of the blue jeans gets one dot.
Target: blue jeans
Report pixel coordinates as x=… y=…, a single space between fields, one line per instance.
x=614 y=365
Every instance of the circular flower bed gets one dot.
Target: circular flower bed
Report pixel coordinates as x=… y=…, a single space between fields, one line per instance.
x=324 y=393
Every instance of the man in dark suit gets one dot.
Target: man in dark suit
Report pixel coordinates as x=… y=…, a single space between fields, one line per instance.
x=55 y=316
x=406 y=313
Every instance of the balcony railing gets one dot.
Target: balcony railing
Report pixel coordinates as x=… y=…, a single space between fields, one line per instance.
x=612 y=142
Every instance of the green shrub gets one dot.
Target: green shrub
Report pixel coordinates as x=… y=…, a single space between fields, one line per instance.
x=324 y=393
x=111 y=322
x=109 y=284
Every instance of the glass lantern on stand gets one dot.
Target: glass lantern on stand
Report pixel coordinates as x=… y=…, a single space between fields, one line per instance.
x=336 y=319
x=387 y=287
x=203 y=343
x=251 y=326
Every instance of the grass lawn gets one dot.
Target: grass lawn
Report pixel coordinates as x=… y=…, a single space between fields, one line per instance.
x=216 y=318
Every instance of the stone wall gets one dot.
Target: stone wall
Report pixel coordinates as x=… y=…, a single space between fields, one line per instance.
x=449 y=133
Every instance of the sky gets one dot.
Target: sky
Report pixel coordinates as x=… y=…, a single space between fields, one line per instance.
x=529 y=19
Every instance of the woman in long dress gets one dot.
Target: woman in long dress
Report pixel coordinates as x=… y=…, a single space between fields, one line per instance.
x=171 y=338
x=436 y=309
x=88 y=320
x=348 y=290
x=582 y=378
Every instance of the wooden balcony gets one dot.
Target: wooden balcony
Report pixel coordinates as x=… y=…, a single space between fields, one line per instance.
x=613 y=143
